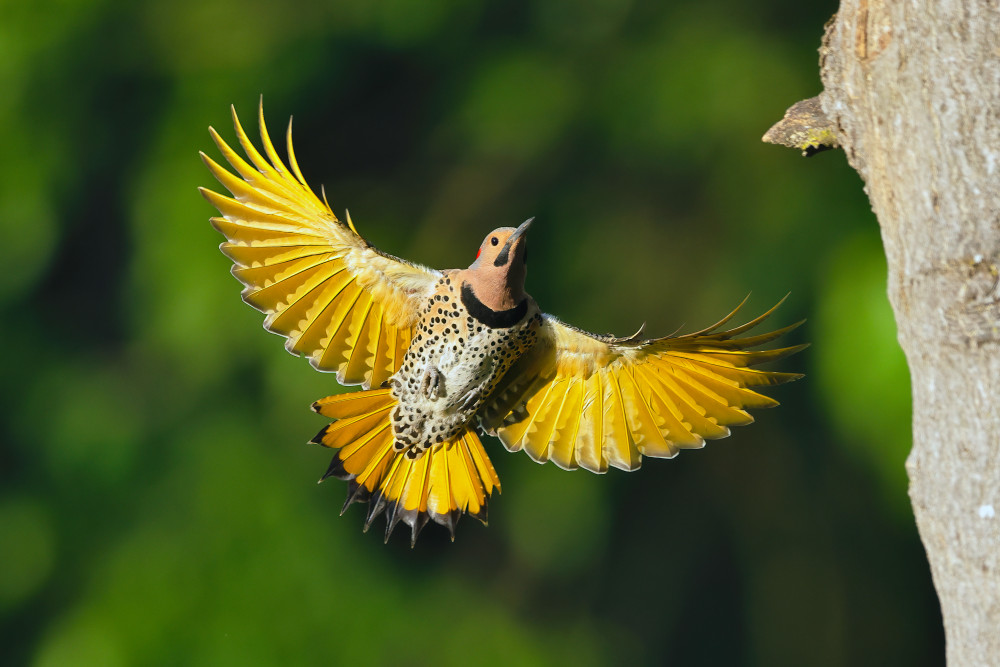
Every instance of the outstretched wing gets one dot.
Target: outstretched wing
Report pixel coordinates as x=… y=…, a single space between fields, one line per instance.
x=340 y=302
x=583 y=400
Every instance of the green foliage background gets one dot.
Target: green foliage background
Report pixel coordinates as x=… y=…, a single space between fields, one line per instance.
x=157 y=498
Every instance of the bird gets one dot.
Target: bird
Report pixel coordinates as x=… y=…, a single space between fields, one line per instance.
x=445 y=357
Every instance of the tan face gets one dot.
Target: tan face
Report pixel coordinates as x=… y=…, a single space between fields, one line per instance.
x=497 y=275
x=503 y=249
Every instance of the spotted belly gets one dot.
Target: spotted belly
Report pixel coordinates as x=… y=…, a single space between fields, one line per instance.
x=452 y=365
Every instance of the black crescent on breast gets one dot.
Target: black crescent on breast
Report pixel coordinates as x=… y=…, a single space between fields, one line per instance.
x=494 y=319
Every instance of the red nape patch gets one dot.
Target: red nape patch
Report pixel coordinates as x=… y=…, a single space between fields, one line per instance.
x=479 y=252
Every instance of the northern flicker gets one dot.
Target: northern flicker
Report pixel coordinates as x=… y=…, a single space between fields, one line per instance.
x=443 y=356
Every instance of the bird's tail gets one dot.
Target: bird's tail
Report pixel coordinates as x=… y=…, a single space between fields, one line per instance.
x=452 y=478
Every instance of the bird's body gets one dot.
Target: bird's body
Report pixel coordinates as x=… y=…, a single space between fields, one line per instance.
x=457 y=356
x=443 y=356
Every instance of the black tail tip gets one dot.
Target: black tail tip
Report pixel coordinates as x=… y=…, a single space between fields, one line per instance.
x=336 y=469
x=318 y=438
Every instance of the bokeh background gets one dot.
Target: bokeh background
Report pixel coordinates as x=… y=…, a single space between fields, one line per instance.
x=158 y=503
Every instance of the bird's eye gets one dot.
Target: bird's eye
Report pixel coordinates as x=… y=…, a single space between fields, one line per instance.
x=494 y=241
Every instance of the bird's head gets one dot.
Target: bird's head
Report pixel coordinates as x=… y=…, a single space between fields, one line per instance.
x=497 y=275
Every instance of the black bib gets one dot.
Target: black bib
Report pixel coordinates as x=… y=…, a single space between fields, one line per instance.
x=494 y=319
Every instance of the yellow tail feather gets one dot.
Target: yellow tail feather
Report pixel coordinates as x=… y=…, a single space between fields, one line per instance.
x=452 y=478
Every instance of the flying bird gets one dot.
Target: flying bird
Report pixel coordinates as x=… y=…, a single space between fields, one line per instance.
x=445 y=356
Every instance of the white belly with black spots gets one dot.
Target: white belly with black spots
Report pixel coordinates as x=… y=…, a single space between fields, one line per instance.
x=452 y=365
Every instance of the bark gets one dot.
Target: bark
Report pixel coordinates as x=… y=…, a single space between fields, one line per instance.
x=912 y=94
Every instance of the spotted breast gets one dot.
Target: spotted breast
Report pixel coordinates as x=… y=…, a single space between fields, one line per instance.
x=460 y=351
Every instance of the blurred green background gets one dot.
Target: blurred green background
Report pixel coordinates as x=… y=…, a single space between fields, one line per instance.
x=158 y=502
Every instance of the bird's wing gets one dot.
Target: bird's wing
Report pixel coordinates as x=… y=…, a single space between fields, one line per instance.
x=583 y=400
x=340 y=302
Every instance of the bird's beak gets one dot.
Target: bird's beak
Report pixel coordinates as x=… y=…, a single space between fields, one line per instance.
x=504 y=255
x=519 y=232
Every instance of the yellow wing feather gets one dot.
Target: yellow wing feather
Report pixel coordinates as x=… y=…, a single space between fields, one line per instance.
x=339 y=302
x=591 y=401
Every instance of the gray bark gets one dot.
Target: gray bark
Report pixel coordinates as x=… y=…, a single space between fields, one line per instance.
x=912 y=91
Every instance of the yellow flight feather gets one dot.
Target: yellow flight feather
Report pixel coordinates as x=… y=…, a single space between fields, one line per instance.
x=314 y=277
x=637 y=397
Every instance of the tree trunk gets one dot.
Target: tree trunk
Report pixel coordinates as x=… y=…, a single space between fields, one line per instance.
x=912 y=93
